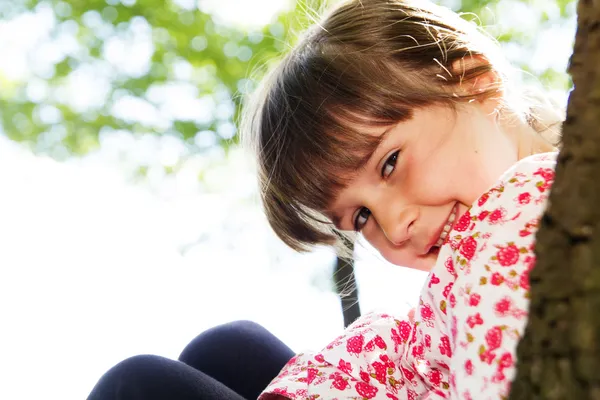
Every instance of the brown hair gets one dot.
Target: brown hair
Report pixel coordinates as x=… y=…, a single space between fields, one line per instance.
x=368 y=62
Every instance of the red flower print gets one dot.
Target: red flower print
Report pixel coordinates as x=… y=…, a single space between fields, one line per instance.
x=443 y=365
x=524 y=280
x=487 y=356
x=529 y=263
x=524 y=198
x=506 y=361
x=380 y=371
x=408 y=374
x=474 y=320
x=498 y=376
x=524 y=233
x=483 y=199
x=435 y=377
x=474 y=299
x=320 y=358
x=311 y=374
x=379 y=342
x=445 y=346
x=428 y=341
x=468 y=247
x=508 y=255
x=493 y=338
x=482 y=215
x=463 y=222
x=411 y=394
x=497 y=215
x=345 y=366
x=427 y=315
x=449 y=264
x=354 y=345
x=364 y=376
x=434 y=280
x=418 y=351
x=452 y=300
x=391 y=396
x=404 y=330
x=339 y=382
x=447 y=289
x=283 y=391
x=543 y=186
x=496 y=279
x=503 y=307
x=469 y=367
x=547 y=174
x=386 y=360
x=365 y=390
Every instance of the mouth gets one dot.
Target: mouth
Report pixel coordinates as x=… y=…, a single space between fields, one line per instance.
x=448 y=226
x=434 y=248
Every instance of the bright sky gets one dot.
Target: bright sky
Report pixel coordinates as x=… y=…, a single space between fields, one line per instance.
x=95 y=268
x=92 y=272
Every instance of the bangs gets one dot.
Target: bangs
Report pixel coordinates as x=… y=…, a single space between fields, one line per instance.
x=314 y=140
x=368 y=65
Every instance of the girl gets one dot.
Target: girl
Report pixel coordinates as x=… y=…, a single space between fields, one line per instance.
x=393 y=120
x=396 y=120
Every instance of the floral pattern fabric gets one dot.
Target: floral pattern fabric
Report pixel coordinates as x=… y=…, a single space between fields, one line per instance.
x=471 y=314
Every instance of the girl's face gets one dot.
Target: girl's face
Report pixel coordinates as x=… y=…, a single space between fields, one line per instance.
x=425 y=174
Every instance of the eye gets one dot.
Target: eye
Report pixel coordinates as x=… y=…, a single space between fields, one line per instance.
x=361 y=218
x=389 y=165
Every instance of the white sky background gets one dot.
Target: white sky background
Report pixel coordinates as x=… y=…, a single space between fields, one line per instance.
x=95 y=268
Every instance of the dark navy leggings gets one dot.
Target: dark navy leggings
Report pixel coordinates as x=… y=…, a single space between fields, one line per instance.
x=232 y=361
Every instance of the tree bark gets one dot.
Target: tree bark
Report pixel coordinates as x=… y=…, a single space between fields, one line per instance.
x=345 y=286
x=559 y=355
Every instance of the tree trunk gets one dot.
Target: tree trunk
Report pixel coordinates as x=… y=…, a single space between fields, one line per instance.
x=559 y=355
x=345 y=286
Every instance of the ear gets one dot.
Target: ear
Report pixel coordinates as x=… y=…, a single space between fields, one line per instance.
x=487 y=84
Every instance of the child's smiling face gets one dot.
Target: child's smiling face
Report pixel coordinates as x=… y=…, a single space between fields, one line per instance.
x=426 y=172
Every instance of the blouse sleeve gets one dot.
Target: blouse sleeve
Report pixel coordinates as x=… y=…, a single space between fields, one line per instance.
x=377 y=357
x=490 y=298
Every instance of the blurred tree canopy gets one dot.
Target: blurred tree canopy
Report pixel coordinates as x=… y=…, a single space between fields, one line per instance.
x=169 y=68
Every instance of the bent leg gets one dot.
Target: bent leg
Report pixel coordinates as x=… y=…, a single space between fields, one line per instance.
x=147 y=377
x=242 y=355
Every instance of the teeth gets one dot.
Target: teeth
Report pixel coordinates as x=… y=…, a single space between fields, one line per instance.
x=447 y=228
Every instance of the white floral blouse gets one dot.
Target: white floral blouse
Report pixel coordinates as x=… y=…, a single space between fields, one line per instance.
x=472 y=312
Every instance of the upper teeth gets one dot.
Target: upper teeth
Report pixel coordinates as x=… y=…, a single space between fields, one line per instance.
x=447 y=227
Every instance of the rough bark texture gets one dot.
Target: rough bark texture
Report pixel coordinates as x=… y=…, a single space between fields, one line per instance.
x=559 y=355
x=345 y=285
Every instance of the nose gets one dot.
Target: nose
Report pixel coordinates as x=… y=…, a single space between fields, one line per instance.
x=396 y=221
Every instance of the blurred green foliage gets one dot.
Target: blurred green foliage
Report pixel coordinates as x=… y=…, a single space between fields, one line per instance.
x=216 y=61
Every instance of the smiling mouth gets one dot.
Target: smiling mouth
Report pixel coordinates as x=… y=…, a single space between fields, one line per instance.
x=447 y=227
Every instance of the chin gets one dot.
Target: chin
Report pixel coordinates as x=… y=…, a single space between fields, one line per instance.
x=423 y=263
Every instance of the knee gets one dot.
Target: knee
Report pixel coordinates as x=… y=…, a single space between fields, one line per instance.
x=136 y=366
x=128 y=373
x=242 y=326
x=231 y=335
x=235 y=332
